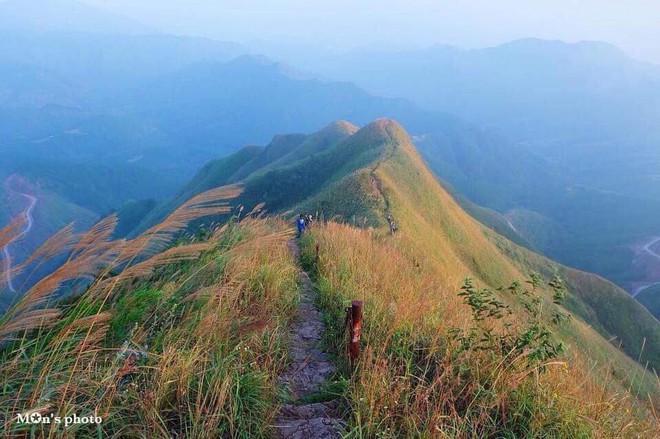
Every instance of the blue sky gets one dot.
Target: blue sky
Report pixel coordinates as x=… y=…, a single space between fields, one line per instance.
x=632 y=25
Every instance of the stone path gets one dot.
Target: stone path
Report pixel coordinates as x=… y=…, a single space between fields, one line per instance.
x=309 y=368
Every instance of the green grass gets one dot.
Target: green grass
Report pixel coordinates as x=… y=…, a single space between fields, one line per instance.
x=650 y=298
x=212 y=338
x=131 y=310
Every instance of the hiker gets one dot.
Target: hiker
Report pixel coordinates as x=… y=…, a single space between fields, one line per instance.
x=302 y=224
x=309 y=220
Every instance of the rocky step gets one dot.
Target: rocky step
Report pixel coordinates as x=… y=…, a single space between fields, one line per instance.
x=317 y=428
x=311 y=421
x=328 y=409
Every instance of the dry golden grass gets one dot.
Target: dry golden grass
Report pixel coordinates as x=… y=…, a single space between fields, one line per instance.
x=12 y=230
x=413 y=382
x=187 y=341
x=216 y=337
x=93 y=255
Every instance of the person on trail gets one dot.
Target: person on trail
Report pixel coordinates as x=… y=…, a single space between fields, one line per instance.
x=302 y=224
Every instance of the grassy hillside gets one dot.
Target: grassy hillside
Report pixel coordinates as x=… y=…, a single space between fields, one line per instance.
x=429 y=368
x=189 y=343
x=285 y=172
x=415 y=198
x=183 y=334
x=650 y=298
x=377 y=172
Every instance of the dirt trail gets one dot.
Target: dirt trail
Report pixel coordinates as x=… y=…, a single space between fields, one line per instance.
x=309 y=368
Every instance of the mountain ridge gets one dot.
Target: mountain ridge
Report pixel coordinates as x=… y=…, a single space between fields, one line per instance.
x=449 y=304
x=376 y=174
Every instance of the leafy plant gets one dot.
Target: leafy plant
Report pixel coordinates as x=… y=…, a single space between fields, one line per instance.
x=533 y=340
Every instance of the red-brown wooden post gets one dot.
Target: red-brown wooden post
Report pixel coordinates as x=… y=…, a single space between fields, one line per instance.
x=356 y=329
x=318 y=248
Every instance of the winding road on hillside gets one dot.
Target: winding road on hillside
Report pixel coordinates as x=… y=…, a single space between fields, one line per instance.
x=29 y=222
x=648 y=248
x=508 y=221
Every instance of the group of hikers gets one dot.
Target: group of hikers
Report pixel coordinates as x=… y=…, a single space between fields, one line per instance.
x=303 y=222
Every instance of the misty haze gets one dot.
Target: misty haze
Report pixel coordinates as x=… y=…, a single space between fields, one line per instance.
x=312 y=220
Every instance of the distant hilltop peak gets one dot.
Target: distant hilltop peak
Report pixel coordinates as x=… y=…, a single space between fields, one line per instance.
x=255 y=60
x=594 y=47
x=341 y=126
x=386 y=128
x=263 y=63
x=384 y=123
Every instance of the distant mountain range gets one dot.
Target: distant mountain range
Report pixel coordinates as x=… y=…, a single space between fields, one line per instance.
x=537 y=91
x=585 y=106
x=587 y=109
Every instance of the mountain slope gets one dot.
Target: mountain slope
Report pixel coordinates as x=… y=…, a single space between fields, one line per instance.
x=255 y=167
x=425 y=211
x=292 y=148
x=586 y=109
x=209 y=315
x=377 y=173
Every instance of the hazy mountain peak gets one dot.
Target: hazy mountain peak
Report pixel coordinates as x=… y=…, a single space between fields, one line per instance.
x=254 y=60
x=341 y=126
x=541 y=46
x=64 y=15
x=386 y=128
x=263 y=63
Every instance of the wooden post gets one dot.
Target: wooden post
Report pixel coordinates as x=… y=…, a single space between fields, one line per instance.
x=354 y=315
x=318 y=248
